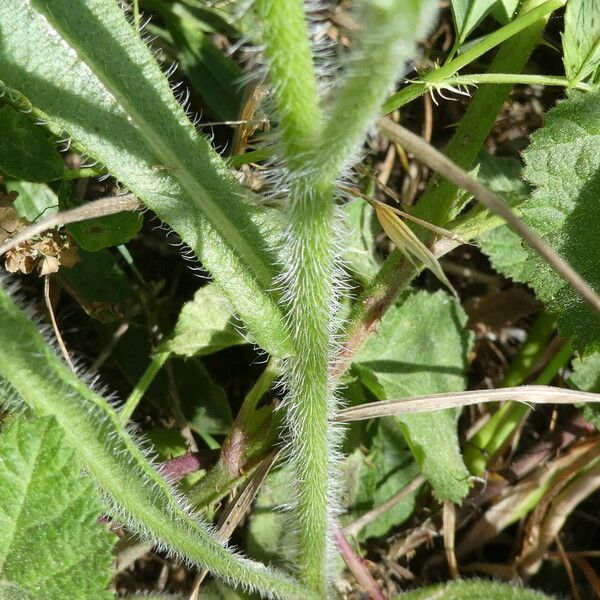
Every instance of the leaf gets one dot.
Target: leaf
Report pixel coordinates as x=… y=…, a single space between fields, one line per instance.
x=83 y=65
x=387 y=468
x=203 y=401
x=421 y=348
x=25 y=152
x=581 y=41
x=586 y=377
x=104 y=232
x=467 y=15
x=269 y=533
x=563 y=164
x=204 y=325
x=35 y=201
x=473 y=590
x=134 y=490
x=408 y=243
x=502 y=245
x=213 y=74
x=50 y=537
x=504 y=10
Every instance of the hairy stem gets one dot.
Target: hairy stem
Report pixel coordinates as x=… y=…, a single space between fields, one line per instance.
x=524 y=21
x=135 y=490
x=436 y=203
x=314 y=157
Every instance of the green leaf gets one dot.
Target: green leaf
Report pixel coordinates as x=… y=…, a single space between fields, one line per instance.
x=203 y=401
x=581 y=40
x=85 y=67
x=104 y=232
x=502 y=245
x=504 y=10
x=204 y=325
x=563 y=163
x=473 y=590
x=467 y=15
x=50 y=537
x=99 y=285
x=134 y=490
x=270 y=536
x=586 y=377
x=388 y=467
x=214 y=75
x=421 y=348
x=35 y=201
x=25 y=152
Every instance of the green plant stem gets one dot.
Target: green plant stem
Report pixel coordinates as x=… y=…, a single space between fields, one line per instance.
x=524 y=21
x=135 y=491
x=71 y=174
x=436 y=203
x=493 y=434
x=158 y=360
x=537 y=340
x=309 y=280
x=511 y=79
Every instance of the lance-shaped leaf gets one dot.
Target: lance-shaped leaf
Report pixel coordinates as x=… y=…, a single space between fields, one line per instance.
x=467 y=15
x=86 y=69
x=135 y=491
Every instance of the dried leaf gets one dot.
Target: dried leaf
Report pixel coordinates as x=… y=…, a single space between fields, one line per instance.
x=408 y=243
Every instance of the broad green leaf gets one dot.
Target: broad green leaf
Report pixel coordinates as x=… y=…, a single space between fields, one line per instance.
x=382 y=473
x=85 y=68
x=586 y=377
x=586 y=373
x=35 y=201
x=506 y=253
x=93 y=235
x=204 y=325
x=421 y=348
x=473 y=590
x=25 y=152
x=104 y=232
x=563 y=163
x=50 y=538
x=581 y=40
x=467 y=15
x=502 y=245
x=99 y=285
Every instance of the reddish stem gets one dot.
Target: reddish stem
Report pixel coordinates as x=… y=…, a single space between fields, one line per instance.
x=358 y=566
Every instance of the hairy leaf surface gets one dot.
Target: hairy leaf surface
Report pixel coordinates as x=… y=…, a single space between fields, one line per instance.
x=51 y=544
x=421 y=348
x=135 y=491
x=204 y=325
x=85 y=67
x=563 y=163
x=473 y=590
x=503 y=246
